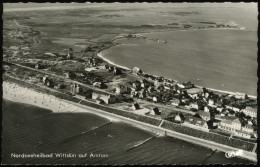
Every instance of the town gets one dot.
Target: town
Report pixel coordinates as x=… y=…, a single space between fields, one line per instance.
x=85 y=75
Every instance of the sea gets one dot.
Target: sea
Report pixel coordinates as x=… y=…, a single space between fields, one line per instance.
x=219 y=59
x=29 y=129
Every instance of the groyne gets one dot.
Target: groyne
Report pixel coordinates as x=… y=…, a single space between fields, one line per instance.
x=142 y=122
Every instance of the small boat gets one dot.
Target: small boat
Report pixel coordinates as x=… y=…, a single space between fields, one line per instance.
x=222 y=85
x=198 y=79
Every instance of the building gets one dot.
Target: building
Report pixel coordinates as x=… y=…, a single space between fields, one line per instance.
x=240 y=95
x=187 y=85
x=78 y=89
x=194 y=105
x=178 y=118
x=135 y=106
x=117 y=71
x=230 y=124
x=206 y=109
x=197 y=123
x=248 y=128
x=211 y=102
x=100 y=85
x=121 y=89
x=108 y=99
x=155 y=111
x=136 y=71
x=143 y=93
x=99 y=101
x=220 y=109
x=250 y=111
x=175 y=102
x=194 y=91
x=204 y=115
x=242 y=134
x=154 y=99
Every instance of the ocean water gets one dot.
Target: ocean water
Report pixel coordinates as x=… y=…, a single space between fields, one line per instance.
x=30 y=129
x=219 y=59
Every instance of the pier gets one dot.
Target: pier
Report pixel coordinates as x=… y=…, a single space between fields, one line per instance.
x=143 y=142
x=85 y=132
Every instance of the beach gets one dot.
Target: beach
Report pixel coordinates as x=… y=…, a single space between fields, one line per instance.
x=14 y=92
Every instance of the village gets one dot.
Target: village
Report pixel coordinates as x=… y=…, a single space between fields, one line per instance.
x=83 y=73
x=145 y=94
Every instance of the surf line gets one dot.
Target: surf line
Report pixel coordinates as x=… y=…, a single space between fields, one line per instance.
x=143 y=142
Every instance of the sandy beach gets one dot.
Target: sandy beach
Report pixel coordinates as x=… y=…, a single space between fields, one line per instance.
x=17 y=93
x=110 y=62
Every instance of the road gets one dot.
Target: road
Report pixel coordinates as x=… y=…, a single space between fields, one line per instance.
x=65 y=79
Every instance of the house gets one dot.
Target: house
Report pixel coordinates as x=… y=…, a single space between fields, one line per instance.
x=88 y=94
x=107 y=98
x=78 y=89
x=136 y=71
x=216 y=122
x=70 y=75
x=187 y=85
x=230 y=124
x=235 y=109
x=143 y=93
x=197 y=123
x=204 y=115
x=121 y=89
x=250 y=111
x=110 y=68
x=155 y=111
x=99 y=101
x=154 y=99
x=240 y=95
x=45 y=79
x=220 y=109
x=135 y=106
x=175 y=102
x=178 y=118
x=180 y=86
x=194 y=105
x=117 y=71
x=136 y=85
x=248 y=128
x=206 y=94
x=100 y=85
x=158 y=84
x=211 y=101
x=206 y=109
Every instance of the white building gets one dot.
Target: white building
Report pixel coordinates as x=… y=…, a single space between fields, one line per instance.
x=250 y=111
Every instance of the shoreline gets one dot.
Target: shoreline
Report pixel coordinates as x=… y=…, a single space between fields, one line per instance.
x=100 y=55
x=56 y=105
x=15 y=96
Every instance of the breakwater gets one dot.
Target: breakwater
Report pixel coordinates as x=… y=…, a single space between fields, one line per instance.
x=152 y=124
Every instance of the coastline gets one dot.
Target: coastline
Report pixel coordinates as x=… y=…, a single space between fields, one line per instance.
x=17 y=92
x=100 y=55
